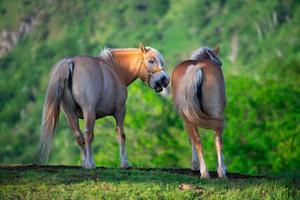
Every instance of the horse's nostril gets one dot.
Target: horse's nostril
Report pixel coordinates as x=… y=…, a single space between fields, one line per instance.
x=157 y=84
x=164 y=81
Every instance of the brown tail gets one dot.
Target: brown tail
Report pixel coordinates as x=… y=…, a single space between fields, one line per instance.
x=186 y=101
x=60 y=74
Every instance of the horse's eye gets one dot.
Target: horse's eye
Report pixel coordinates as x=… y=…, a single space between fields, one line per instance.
x=151 y=61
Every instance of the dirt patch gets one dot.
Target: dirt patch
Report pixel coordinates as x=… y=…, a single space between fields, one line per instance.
x=186 y=186
x=184 y=171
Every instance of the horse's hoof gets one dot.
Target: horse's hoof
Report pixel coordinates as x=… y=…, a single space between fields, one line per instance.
x=89 y=165
x=221 y=173
x=204 y=175
x=125 y=165
x=195 y=167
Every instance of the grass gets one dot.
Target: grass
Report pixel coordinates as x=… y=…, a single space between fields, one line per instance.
x=103 y=183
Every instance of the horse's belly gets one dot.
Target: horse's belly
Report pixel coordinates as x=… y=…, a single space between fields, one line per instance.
x=110 y=104
x=104 y=108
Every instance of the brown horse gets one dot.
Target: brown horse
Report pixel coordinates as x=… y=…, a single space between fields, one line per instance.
x=198 y=90
x=94 y=87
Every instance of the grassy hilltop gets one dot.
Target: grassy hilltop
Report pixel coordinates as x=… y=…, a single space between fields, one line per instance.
x=260 y=51
x=104 y=183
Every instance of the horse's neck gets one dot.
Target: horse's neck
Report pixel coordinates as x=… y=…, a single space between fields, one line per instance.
x=127 y=63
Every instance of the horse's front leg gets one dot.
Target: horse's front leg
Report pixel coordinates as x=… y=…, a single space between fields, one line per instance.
x=121 y=137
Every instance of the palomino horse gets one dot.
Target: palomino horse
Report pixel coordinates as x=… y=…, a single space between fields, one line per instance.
x=198 y=90
x=94 y=87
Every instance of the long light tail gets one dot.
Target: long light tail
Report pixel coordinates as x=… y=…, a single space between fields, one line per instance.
x=186 y=100
x=60 y=74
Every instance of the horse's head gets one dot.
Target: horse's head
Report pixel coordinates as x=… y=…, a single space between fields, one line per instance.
x=151 y=69
x=207 y=53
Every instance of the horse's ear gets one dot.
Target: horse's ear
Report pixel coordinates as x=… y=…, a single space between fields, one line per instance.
x=142 y=47
x=212 y=55
x=217 y=50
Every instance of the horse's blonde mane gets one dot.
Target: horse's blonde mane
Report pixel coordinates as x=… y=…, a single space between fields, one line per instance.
x=125 y=49
x=106 y=54
x=203 y=52
x=199 y=53
x=159 y=56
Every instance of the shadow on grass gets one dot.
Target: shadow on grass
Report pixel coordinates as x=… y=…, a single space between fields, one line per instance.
x=184 y=171
x=60 y=174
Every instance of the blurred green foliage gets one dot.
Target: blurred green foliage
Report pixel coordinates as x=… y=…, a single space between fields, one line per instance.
x=260 y=51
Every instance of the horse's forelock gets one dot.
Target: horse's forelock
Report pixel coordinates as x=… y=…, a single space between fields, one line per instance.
x=203 y=52
x=158 y=55
x=199 y=53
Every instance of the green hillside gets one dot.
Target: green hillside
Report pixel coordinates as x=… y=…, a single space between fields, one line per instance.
x=260 y=51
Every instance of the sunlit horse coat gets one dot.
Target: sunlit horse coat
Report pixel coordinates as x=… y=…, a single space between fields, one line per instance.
x=198 y=90
x=94 y=87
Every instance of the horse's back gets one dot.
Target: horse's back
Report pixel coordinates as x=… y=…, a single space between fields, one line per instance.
x=86 y=77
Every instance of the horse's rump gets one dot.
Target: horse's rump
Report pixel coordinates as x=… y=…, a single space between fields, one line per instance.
x=188 y=98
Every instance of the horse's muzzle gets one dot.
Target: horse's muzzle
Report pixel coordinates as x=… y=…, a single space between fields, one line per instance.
x=158 y=88
x=163 y=82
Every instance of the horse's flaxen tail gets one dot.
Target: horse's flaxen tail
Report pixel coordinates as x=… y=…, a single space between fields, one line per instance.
x=60 y=74
x=187 y=100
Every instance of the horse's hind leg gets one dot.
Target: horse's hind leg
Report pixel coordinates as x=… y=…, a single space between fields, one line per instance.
x=219 y=145
x=195 y=139
x=89 y=117
x=195 y=159
x=121 y=136
x=74 y=125
x=68 y=106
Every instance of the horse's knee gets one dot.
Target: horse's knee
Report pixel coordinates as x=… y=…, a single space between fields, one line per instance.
x=122 y=137
x=89 y=135
x=219 y=131
x=121 y=134
x=197 y=140
x=80 y=140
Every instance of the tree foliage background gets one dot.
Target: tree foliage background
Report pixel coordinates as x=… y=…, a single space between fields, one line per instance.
x=260 y=51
